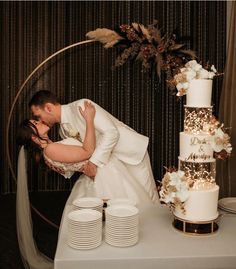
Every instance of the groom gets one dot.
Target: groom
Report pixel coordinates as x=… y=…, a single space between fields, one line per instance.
x=112 y=136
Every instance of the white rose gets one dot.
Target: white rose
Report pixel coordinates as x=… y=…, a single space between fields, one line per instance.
x=190 y=64
x=219 y=133
x=180 y=173
x=197 y=67
x=217 y=147
x=202 y=74
x=228 y=148
x=179 y=86
x=185 y=85
x=167 y=198
x=191 y=74
x=211 y=75
x=183 y=70
x=183 y=195
x=176 y=178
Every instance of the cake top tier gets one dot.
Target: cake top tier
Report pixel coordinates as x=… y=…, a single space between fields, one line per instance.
x=195 y=81
x=199 y=93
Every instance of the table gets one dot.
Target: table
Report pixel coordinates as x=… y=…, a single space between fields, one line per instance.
x=160 y=246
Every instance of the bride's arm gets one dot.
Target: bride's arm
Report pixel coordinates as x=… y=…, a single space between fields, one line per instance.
x=73 y=154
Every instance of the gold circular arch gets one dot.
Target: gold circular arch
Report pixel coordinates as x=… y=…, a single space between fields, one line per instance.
x=13 y=106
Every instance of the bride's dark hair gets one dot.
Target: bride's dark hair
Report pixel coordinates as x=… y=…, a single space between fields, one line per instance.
x=24 y=137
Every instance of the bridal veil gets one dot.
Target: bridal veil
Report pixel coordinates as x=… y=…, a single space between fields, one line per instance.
x=32 y=258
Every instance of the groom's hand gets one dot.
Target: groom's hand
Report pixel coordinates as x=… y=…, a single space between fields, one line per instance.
x=90 y=169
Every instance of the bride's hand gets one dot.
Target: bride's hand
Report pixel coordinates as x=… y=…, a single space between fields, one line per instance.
x=89 y=111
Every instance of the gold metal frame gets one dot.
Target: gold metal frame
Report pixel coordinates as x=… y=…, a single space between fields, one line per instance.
x=13 y=106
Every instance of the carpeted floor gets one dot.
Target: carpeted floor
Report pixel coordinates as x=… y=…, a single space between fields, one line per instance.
x=51 y=204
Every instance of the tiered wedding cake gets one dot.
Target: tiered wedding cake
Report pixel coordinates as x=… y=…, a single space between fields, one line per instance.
x=196 y=155
x=191 y=191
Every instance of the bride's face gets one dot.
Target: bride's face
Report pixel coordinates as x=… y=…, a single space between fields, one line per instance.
x=42 y=128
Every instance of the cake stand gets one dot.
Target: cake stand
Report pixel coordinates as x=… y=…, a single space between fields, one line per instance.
x=195 y=227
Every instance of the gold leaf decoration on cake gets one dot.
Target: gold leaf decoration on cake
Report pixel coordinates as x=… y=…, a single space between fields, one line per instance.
x=198 y=173
x=196 y=118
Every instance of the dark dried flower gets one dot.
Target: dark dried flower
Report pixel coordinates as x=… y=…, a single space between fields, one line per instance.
x=147 y=44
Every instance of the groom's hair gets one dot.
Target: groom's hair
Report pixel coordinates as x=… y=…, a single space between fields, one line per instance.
x=42 y=97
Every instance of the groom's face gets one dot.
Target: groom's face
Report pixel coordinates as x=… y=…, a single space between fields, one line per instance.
x=43 y=114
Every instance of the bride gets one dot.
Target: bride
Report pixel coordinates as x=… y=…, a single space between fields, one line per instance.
x=112 y=180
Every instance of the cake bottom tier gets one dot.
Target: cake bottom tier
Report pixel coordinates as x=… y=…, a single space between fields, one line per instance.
x=200 y=206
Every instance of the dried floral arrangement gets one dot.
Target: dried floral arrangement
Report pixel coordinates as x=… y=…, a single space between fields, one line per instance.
x=174 y=190
x=148 y=44
x=220 y=141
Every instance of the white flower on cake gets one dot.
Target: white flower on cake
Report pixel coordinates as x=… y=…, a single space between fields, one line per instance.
x=174 y=190
x=220 y=141
x=192 y=70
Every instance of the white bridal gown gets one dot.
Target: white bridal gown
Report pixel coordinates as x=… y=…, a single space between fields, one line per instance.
x=113 y=180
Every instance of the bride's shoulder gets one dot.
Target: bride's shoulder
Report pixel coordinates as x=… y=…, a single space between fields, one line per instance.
x=50 y=148
x=54 y=150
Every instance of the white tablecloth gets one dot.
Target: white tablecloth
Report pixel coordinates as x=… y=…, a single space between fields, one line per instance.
x=160 y=246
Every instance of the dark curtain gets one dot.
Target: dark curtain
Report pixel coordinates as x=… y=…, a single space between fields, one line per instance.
x=226 y=170
x=32 y=31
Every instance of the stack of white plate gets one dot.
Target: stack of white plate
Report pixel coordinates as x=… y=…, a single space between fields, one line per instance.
x=121 y=201
x=84 y=229
x=88 y=203
x=122 y=225
x=228 y=204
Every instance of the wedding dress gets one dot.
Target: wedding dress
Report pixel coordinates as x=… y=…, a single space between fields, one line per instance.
x=113 y=180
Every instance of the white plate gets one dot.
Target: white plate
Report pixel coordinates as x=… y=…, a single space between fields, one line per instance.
x=85 y=229
x=122 y=231
x=88 y=224
x=122 y=211
x=84 y=224
x=228 y=204
x=121 y=236
x=121 y=244
x=83 y=246
x=85 y=234
x=84 y=215
x=121 y=239
x=84 y=242
x=122 y=220
x=124 y=226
